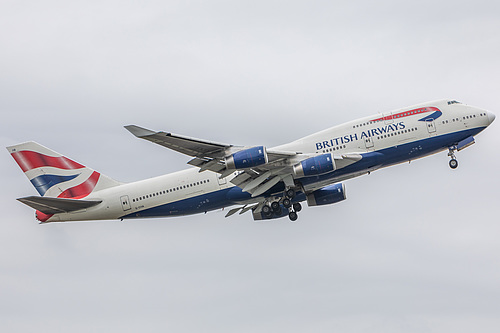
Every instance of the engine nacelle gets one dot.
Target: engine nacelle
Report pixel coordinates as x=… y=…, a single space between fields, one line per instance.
x=327 y=195
x=247 y=158
x=314 y=166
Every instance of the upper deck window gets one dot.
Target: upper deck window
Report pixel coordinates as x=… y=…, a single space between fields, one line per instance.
x=453 y=102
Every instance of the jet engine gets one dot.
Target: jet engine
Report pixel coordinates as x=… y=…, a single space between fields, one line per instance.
x=327 y=195
x=314 y=166
x=247 y=158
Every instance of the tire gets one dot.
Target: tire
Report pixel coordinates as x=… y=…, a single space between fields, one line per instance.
x=287 y=203
x=293 y=216
x=266 y=210
x=290 y=193
x=275 y=206
x=297 y=207
x=453 y=163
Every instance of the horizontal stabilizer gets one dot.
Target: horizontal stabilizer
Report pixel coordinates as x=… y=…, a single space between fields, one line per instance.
x=48 y=205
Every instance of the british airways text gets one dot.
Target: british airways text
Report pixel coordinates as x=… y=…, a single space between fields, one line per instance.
x=353 y=137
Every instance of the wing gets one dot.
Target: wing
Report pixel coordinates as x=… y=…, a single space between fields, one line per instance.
x=182 y=144
x=258 y=169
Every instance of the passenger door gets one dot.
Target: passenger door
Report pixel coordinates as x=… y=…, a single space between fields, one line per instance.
x=431 y=126
x=368 y=142
x=125 y=202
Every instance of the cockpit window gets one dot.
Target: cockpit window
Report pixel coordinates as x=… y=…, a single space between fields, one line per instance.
x=453 y=102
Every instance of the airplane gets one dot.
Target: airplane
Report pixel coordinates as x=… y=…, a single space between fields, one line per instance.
x=268 y=182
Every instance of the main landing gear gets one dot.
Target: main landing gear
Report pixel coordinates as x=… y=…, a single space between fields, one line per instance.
x=287 y=203
x=275 y=207
x=296 y=207
x=453 y=162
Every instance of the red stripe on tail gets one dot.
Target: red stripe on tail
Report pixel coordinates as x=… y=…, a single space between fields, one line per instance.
x=29 y=160
x=82 y=190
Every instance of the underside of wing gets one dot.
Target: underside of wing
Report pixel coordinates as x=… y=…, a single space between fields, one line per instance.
x=57 y=205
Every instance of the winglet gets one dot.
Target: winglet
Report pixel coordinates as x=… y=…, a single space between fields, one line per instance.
x=139 y=131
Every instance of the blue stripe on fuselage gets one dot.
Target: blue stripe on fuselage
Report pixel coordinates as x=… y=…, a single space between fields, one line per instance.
x=370 y=161
x=198 y=204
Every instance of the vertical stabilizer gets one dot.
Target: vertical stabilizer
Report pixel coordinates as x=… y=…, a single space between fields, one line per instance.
x=54 y=175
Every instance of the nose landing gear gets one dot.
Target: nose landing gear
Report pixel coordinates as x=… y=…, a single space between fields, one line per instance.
x=453 y=162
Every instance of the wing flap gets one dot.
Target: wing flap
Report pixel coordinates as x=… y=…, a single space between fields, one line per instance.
x=241 y=178
x=57 y=205
x=266 y=186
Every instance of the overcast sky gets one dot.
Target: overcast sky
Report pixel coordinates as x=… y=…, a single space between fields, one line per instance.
x=414 y=248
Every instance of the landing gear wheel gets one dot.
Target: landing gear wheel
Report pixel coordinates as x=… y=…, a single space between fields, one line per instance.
x=275 y=206
x=278 y=212
x=287 y=203
x=297 y=207
x=266 y=210
x=453 y=163
x=293 y=216
x=290 y=193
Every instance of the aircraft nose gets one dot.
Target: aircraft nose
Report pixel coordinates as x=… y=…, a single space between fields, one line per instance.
x=491 y=117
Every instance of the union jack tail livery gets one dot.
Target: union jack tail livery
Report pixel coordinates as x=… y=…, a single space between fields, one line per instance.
x=54 y=175
x=60 y=181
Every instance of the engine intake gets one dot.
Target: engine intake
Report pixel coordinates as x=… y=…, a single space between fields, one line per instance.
x=247 y=158
x=314 y=166
x=327 y=195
